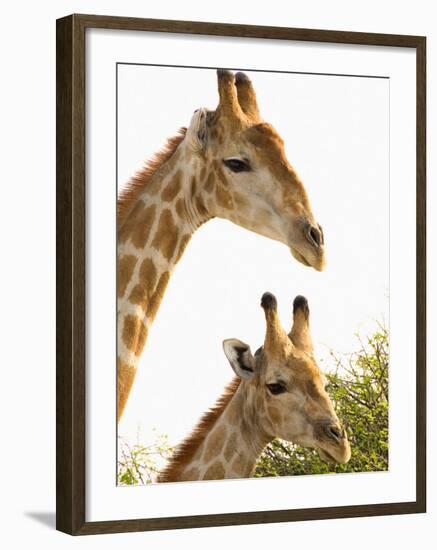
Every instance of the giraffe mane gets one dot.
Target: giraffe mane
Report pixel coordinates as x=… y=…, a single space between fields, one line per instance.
x=187 y=448
x=129 y=194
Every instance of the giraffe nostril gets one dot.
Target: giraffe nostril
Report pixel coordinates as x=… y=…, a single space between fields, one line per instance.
x=334 y=431
x=314 y=235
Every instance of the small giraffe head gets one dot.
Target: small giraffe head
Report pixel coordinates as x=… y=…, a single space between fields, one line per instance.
x=247 y=178
x=284 y=386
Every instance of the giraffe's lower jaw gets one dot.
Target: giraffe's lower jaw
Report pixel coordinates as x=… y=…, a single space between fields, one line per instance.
x=342 y=457
x=317 y=262
x=299 y=257
x=324 y=455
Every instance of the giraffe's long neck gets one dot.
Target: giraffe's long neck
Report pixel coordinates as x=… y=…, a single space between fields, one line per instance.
x=227 y=447
x=151 y=240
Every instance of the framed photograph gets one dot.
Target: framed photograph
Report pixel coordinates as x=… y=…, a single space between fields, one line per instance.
x=240 y=274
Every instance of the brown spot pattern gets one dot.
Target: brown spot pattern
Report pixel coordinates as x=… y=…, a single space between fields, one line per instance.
x=200 y=207
x=231 y=447
x=222 y=194
x=172 y=188
x=221 y=176
x=166 y=236
x=141 y=292
x=182 y=246
x=134 y=334
x=197 y=454
x=214 y=443
x=155 y=300
x=125 y=230
x=181 y=209
x=138 y=225
x=148 y=274
x=126 y=265
x=240 y=201
x=312 y=389
x=275 y=415
x=138 y=296
x=223 y=197
x=217 y=134
x=215 y=471
x=211 y=205
x=190 y=475
x=246 y=432
x=193 y=186
x=239 y=463
x=209 y=184
x=259 y=402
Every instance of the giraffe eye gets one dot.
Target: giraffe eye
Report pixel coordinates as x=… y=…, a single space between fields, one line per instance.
x=276 y=388
x=237 y=164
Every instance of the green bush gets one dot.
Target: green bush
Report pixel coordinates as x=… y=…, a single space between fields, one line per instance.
x=139 y=464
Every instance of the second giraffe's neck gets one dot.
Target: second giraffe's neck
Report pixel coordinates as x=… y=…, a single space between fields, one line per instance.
x=151 y=239
x=224 y=447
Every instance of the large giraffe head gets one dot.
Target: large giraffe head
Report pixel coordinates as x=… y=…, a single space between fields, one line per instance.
x=247 y=178
x=285 y=389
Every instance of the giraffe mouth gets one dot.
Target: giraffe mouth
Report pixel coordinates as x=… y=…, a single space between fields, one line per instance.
x=299 y=257
x=318 y=263
x=324 y=455
x=342 y=457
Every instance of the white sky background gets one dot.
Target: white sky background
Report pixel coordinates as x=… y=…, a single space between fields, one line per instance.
x=336 y=133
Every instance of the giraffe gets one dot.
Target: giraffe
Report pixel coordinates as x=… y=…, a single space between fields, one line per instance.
x=228 y=163
x=278 y=392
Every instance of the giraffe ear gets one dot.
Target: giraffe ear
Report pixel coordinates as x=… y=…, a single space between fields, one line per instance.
x=240 y=357
x=196 y=135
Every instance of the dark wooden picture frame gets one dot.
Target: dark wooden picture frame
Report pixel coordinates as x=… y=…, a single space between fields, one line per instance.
x=71 y=284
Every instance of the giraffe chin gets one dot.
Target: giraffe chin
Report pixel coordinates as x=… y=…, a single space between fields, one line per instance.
x=327 y=457
x=300 y=258
x=318 y=265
